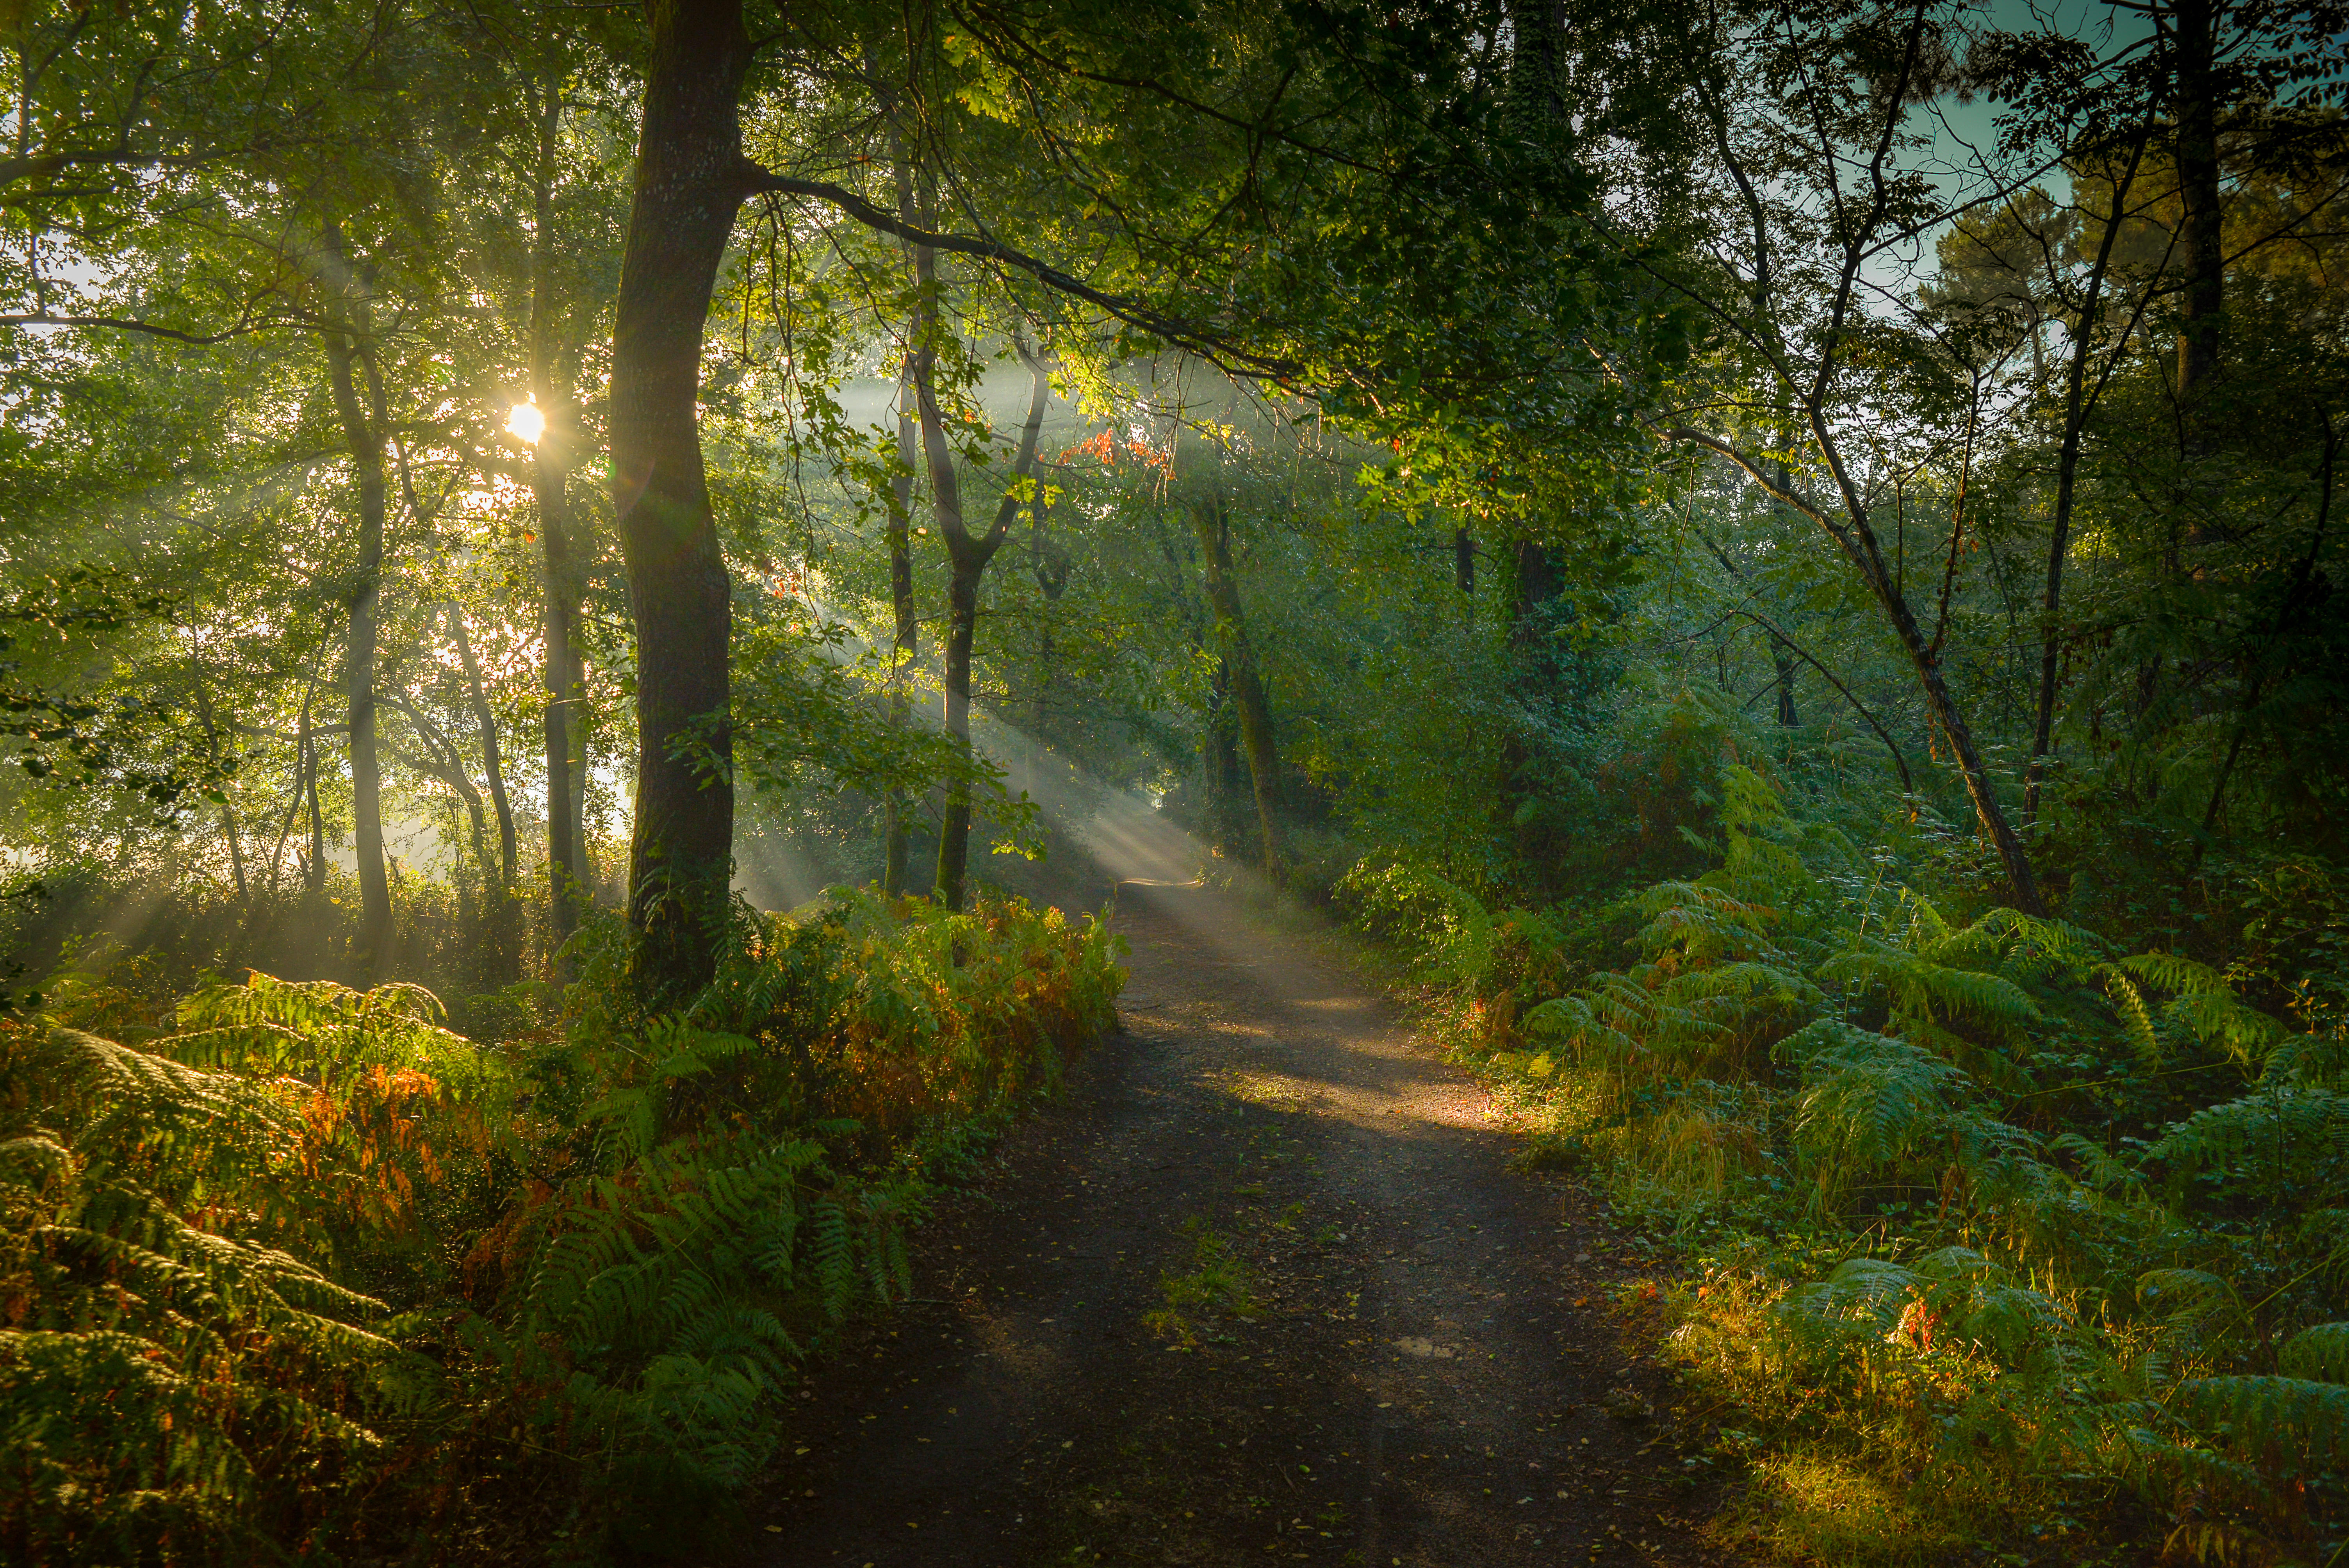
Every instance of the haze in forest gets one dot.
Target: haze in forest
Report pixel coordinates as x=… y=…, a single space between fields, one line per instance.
x=598 y=606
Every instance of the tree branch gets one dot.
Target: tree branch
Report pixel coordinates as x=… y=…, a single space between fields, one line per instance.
x=1209 y=345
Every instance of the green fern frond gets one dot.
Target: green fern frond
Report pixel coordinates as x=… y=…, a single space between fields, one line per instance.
x=2188 y=1292
x=2319 y=1354
x=2098 y=1167
x=2217 y=1019
x=2137 y=1018
x=2175 y=972
x=2283 y=1133
x=2296 y=1423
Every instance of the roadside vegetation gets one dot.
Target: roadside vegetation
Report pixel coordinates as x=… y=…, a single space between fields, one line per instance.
x=304 y=1265
x=1993 y=1231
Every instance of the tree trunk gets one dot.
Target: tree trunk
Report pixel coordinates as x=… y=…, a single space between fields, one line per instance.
x=365 y=438
x=967 y=559
x=1253 y=711
x=1784 y=663
x=1532 y=583
x=1050 y=564
x=1859 y=542
x=2078 y=399
x=690 y=179
x=551 y=459
x=1943 y=708
x=1226 y=817
x=505 y=961
x=227 y=814
x=906 y=642
x=314 y=872
x=492 y=762
x=442 y=760
x=2193 y=27
x=1463 y=561
x=954 y=828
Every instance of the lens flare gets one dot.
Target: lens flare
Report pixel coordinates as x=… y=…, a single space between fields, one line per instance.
x=526 y=423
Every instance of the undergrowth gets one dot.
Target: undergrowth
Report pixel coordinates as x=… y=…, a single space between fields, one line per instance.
x=1217 y=1285
x=306 y=1275
x=2001 y=1236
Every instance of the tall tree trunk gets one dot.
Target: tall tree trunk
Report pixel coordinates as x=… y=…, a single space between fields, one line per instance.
x=967 y=559
x=1944 y=708
x=1225 y=773
x=2193 y=41
x=906 y=642
x=2079 y=398
x=1463 y=561
x=1533 y=582
x=1253 y=711
x=365 y=437
x=953 y=826
x=562 y=564
x=1941 y=706
x=690 y=179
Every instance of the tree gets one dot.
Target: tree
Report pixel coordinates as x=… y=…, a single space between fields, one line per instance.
x=1237 y=657
x=1795 y=300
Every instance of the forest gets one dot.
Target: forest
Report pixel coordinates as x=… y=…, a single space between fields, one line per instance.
x=593 y=598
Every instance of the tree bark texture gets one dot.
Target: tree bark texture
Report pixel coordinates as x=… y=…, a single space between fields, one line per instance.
x=690 y=179
x=1253 y=709
x=363 y=435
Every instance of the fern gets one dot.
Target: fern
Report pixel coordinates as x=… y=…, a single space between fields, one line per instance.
x=2285 y=1135
x=621 y=1242
x=2319 y=1354
x=162 y=1370
x=2293 y=1423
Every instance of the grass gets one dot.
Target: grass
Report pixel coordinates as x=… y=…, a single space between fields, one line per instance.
x=1217 y=1286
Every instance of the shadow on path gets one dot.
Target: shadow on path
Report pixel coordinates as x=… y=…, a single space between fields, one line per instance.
x=1422 y=1381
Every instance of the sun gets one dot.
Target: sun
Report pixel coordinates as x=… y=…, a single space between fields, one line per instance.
x=526 y=423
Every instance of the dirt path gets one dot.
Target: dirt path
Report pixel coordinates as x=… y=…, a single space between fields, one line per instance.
x=1431 y=1376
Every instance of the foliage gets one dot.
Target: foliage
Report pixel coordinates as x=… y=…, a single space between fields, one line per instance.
x=310 y=1269
x=1997 y=1226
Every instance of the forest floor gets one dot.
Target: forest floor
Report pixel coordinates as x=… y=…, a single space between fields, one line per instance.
x=1432 y=1371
